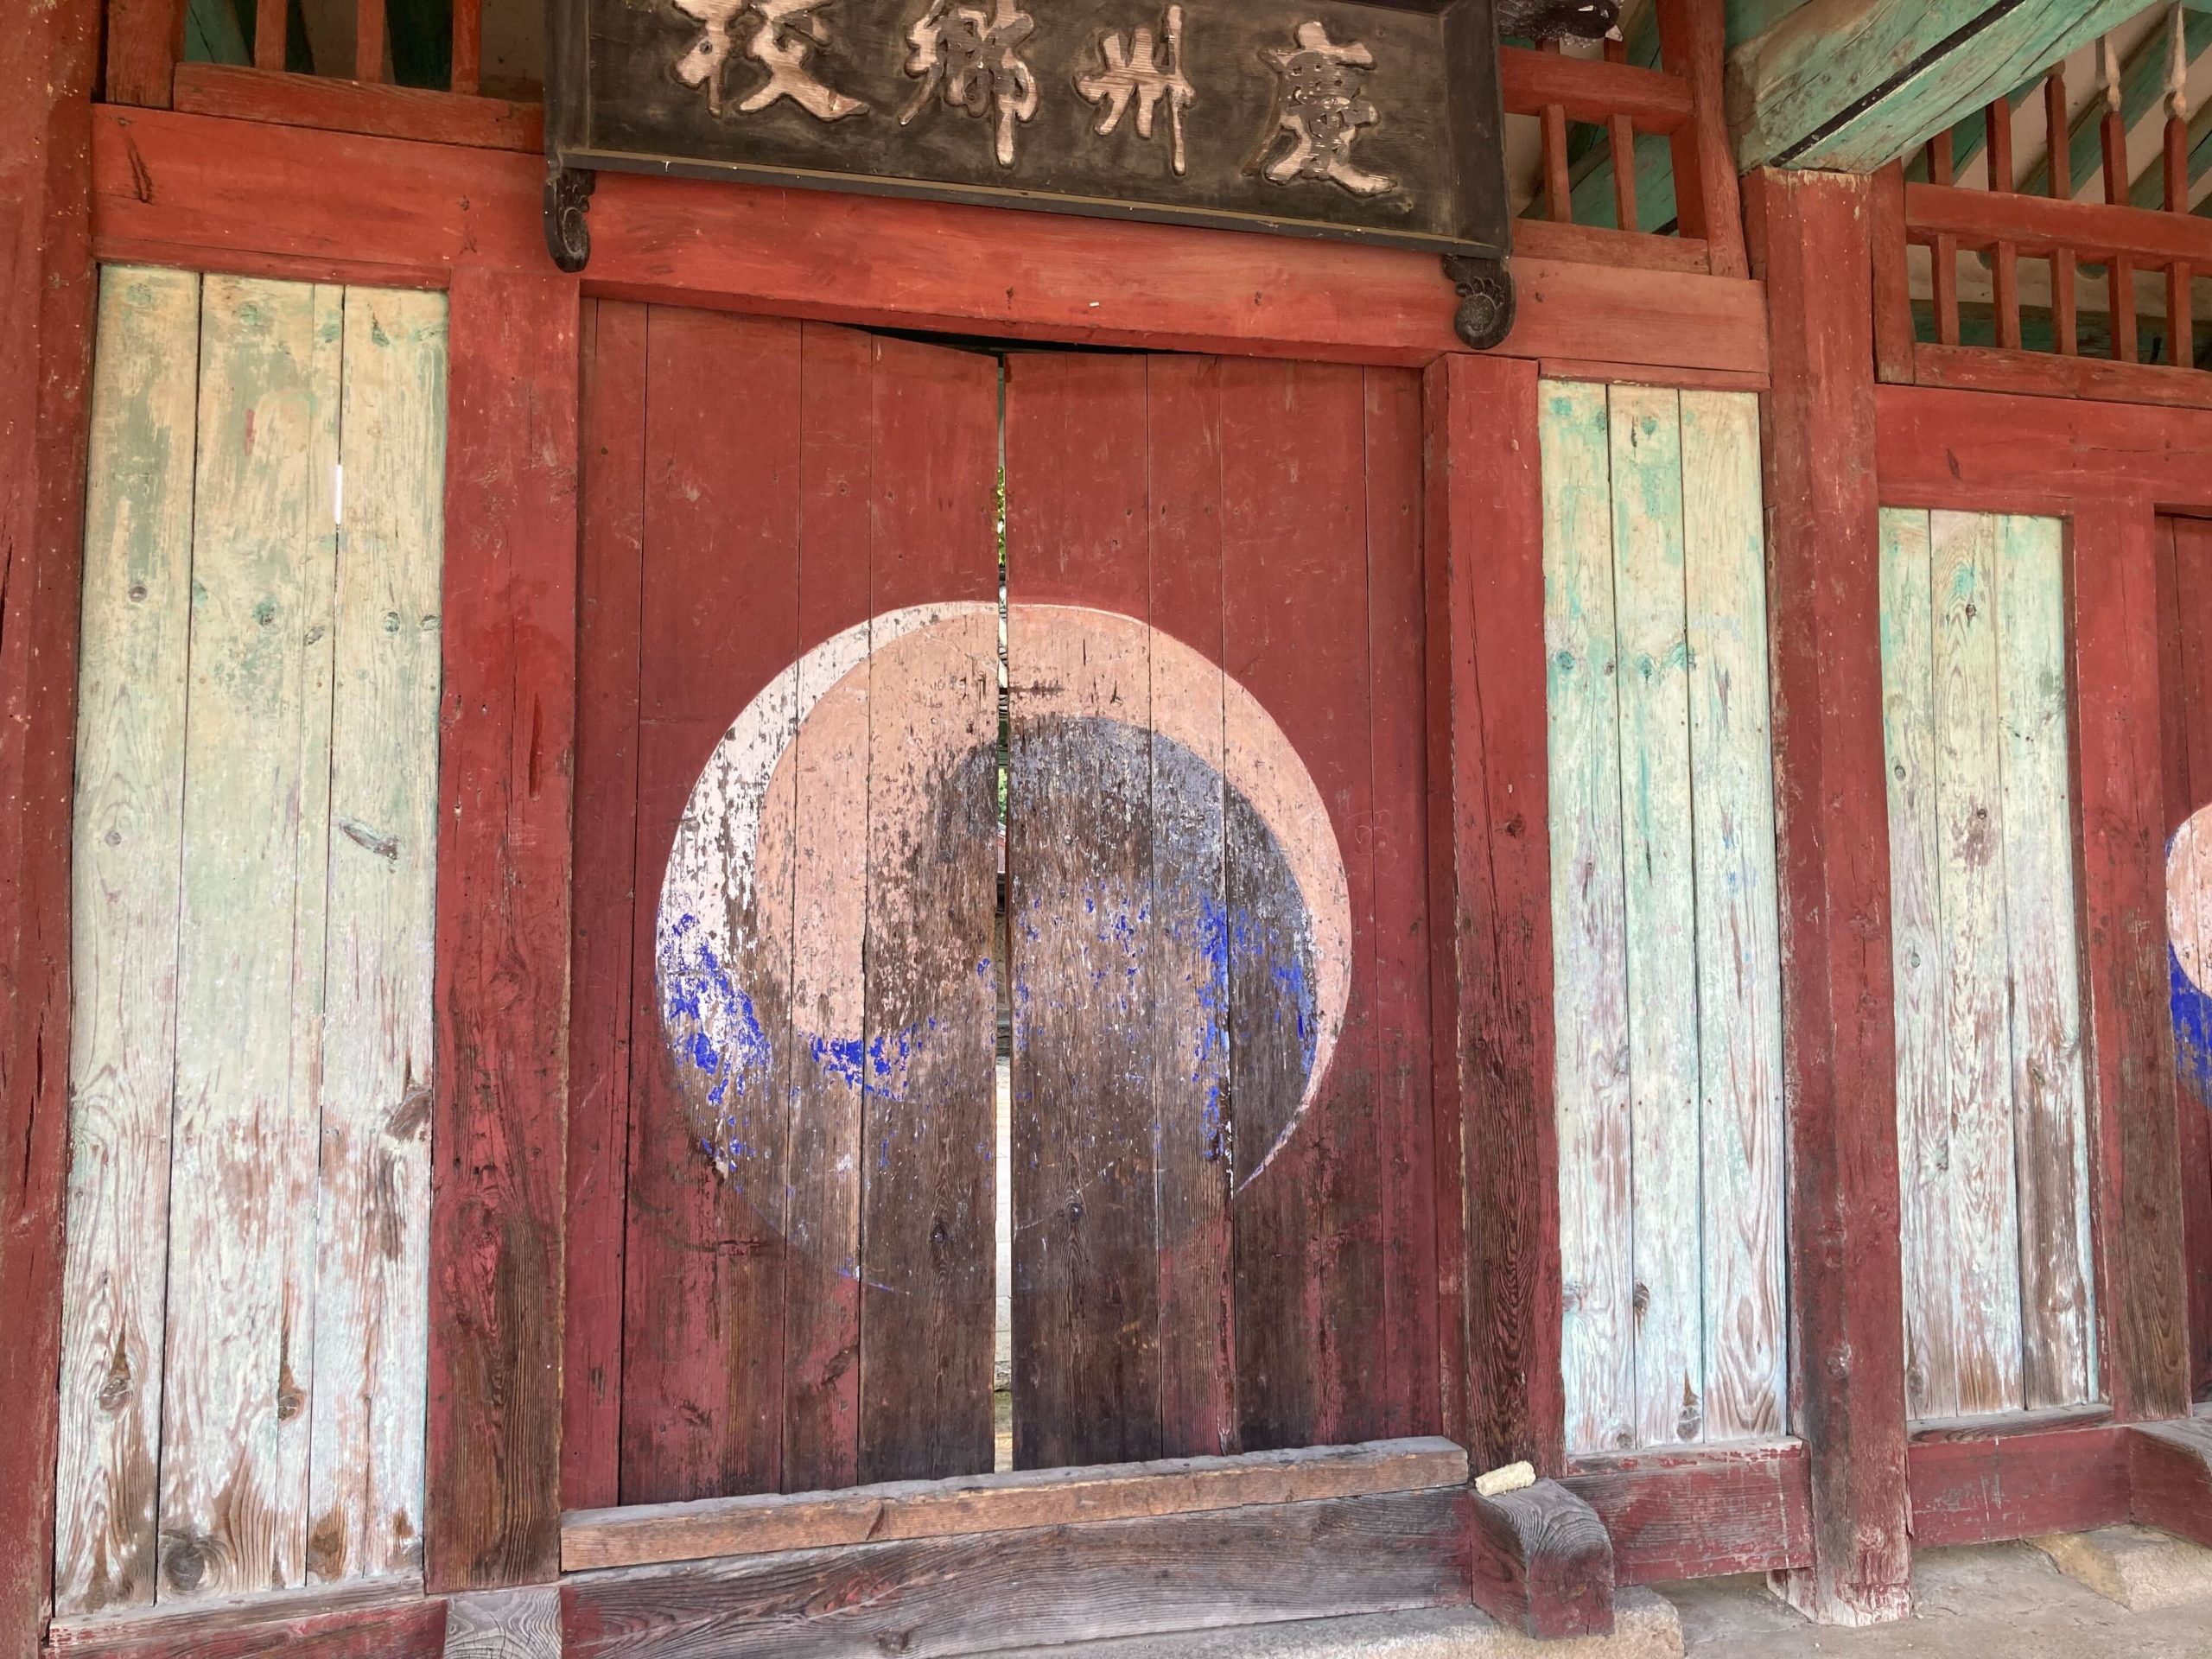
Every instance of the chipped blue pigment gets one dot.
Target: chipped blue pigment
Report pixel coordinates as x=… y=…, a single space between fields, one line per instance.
x=2192 y=1028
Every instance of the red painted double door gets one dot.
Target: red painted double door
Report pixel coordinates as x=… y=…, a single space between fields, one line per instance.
x=933 y=693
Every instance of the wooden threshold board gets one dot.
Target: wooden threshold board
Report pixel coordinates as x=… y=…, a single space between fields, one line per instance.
x=708 y=1528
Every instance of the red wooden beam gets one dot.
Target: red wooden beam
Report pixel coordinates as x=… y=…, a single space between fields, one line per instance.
x=413 y=112
x=145 y=40
x=2045 y=374
x=1539 y=1562
x=2142 y=1295
x=2170 y=1465
x=46 y=282
x=1990 y=1487
x=1948 y=448
x=506 y=755
x=1591 y=90
x=407 y=1630
x=1697 y=1515
x=238 y=196
x=1809 y=236
x=2037 y=224
x=1492 y=978
x=1693 y=42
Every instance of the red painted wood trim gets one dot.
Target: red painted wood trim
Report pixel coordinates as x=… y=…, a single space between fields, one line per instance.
x=1601 y=245
x=412 y=112
x=1893 y=359
x=2001 y=1486
x=2142 y=1295
x=145 y=40
x=2170 y=1468
x=1693 y=42
x=1810 y=235
x=1987 y=368
x=1491 y=896
x=1691 y=1515
x=414 y=1629
x=1592 y=90
x=507 y=753
x=1947 y=447
x=47 y=284
x=2037 y=224
x=1541 y=1562
x=194 y=190
x=1639 y=374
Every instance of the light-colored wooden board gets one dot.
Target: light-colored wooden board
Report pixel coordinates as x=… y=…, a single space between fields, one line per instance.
x=125 y=839
x=506 y=1624
x=1660 y=943
x=1973 y=1313
x=235 y=1422
x=1916 y=902
x=1588 y=921
x=1024 y=1499
x=1738 y=954
x=2049 y=1104
x=365 y=1499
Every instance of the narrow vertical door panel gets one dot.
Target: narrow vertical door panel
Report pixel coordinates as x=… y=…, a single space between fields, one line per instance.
x=1739 y=957
x=373 y=1103
x=235 y=1423
x=128 y=837
x=2185 y=605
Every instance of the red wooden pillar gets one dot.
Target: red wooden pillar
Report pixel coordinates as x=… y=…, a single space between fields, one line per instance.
x=2142 y=1290
x=1808 y=235
x=507 y=742
x=1490 y=862
x=47 y=283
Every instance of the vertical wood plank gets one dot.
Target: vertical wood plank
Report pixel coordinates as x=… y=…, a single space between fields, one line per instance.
x=702 y=1405
x=1972 y=1313
x=374 y=1105
x=1404 y=1066
x=1198 y=1330
x=1082 y=906
x=1693 y=43
x=821 y=1336
x=927 y=1217
x=1589 y=923
x=238 y=1371
x=1740 y=955
x=2184 y=600
x=506 y=756
x=1499 y=1183
x=2050 y=1133
x=2141 y=1294
x=48 y=290
x=609 y=635
x=127 y=840
x=1659 y=945
x=145 y=39
x=1808 y=237
x=1916 y=920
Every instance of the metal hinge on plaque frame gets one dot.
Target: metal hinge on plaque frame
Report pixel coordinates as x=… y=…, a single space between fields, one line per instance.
x=567 y=199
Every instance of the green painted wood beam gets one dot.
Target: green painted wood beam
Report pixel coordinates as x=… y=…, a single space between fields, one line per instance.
x=1851 y=85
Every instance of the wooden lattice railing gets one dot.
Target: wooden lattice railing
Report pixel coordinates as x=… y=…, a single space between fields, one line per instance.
x=2093 y=250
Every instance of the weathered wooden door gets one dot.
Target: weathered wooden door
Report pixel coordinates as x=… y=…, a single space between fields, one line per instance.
x=796 y=796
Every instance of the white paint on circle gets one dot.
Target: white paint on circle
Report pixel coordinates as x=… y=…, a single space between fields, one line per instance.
x=2189 y=899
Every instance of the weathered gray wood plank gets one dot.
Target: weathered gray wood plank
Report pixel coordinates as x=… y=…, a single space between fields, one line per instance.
x=122 y=1035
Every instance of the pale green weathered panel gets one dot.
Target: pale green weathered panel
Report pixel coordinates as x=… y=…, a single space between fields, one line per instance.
x=2048 y=1091
x=1588 y=923
x=1661 y=942
x=1882 y=65
x=1740 y=952
x=372 y=1311
x=123 y=941
x=1973 y=1314
x=1916 y=942
x=235 y=1419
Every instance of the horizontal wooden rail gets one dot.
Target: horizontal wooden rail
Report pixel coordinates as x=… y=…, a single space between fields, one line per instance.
x=2093 y=231
x=771 y=1522
x=1701 y=1514
x=1591 y=89
x=358 y=106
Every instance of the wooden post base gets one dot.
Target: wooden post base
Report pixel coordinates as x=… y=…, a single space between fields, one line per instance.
x=1541 y=1562
x=2170 y=1468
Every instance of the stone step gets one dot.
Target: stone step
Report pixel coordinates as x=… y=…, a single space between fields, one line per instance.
x=2137 y=1566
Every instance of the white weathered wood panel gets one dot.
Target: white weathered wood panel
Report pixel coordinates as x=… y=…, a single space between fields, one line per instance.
x=1915 y=908
x=1660 y=943
x=371 y=1295
x=1589 y=924
x=1667 y=953
x=1991 y=1104
x=235 y=1434
x=243 y=1406
x=1739 y=919
x=2050 y=1098
x=127 y=831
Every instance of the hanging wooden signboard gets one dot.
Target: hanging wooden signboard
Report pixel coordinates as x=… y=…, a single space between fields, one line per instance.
x=1354 y=119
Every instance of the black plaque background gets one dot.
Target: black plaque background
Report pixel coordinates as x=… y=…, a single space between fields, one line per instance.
x=617 y=104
